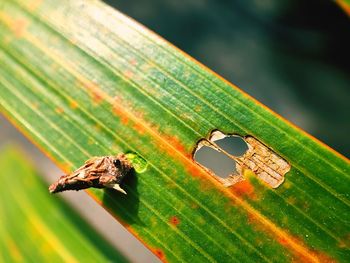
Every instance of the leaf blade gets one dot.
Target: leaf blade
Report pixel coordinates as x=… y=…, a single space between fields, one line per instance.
x=152 y=116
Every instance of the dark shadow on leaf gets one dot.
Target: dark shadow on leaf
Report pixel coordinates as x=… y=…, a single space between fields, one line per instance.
x=124 y=206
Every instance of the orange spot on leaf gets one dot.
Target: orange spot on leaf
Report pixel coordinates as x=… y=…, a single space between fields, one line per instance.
x=59 y=110
x=175 y=142
x=128 y=74
x=73 y=104
x=306 y=254
x=324 y=257
x=244 y=189
x=19 y=27
x=95 y=92
x=66 y=167
x=174 y=220
x=139 y=128
x=282 y=241
x=300 y=257
x=123 y=118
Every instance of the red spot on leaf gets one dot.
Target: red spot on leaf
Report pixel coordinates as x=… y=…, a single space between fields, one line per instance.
x=97 y=98
x=174 y=220
x=95 y=92
x=244 y=189
x=282 y=241
x=160 y=254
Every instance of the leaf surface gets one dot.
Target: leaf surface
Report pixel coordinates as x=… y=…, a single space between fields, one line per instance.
x=82 y=80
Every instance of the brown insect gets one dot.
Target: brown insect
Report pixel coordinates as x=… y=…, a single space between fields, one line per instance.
x=97 y=172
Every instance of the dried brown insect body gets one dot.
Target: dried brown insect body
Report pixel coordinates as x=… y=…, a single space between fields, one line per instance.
x=98 y=172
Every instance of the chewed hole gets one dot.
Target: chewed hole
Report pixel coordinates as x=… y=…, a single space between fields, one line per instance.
x=227 y=157
x=217 y=162
x=219 y=155
x=233 y=145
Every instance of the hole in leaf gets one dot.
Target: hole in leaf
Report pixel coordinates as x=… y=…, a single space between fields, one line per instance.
x=232 y=144
x=217 y=162
x=229 y=156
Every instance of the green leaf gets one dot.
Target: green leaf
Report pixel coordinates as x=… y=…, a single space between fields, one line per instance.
x=82 y=80
x=37 y=227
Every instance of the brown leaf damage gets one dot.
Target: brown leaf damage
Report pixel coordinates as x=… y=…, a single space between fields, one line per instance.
x=264 y=162
x=260 y=159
